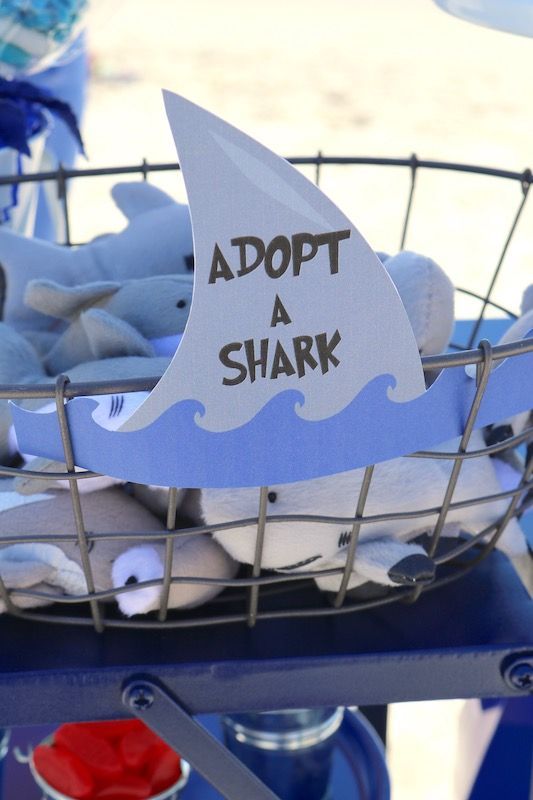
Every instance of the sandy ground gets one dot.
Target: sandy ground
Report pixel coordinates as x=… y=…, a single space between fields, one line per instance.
x=372 y=77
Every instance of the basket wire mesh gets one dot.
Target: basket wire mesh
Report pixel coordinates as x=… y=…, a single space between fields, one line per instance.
x=240 y=602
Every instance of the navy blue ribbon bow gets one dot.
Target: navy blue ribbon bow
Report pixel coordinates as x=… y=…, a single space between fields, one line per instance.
x=21 y=114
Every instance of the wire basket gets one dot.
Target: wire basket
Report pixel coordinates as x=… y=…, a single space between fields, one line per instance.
x=256 y=594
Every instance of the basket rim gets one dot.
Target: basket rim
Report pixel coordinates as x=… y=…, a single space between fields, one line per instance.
x=461 y=358
x=525 y=177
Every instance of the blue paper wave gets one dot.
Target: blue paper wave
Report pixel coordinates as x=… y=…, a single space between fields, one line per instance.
x=278 y=446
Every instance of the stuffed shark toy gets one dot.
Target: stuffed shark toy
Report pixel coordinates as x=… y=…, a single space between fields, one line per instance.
x=428 y=296
x=35 y=564
x=55 y=569
x=20 y=364
x=157 y=241
x=385 y=553
x=48 y=567
x=109 y=318
x=193 y=556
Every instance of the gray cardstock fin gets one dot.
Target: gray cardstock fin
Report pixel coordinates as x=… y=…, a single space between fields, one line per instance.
x=238 y=188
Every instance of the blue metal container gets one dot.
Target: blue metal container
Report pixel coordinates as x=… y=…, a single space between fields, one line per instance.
x=291 y=751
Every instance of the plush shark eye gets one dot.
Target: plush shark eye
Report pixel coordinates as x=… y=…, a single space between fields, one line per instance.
x=181 y=304
x=272 y=497
x=130 y=581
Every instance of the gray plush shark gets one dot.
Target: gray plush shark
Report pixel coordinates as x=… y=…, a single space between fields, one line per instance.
x=157 y=241
x=20 y=364
x=110 y=318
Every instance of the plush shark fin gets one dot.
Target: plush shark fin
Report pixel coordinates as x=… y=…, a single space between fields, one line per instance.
x=383 y=561
x=66 y=302
x=111 y=337
x=527 y=299
x=28 y=485
x=23 y=574
x=137 y=197
x=61 y=570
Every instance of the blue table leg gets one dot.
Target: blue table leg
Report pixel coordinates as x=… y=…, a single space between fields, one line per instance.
x=506 y=769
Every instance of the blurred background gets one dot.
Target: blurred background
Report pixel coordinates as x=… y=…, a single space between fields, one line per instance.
x=349 y=78
x=367 y=78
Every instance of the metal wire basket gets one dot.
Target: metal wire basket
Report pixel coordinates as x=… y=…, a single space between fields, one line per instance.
x=281 y=595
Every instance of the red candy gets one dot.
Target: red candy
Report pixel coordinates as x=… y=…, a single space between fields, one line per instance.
x=62 y=770
x=112 y=729
x=166 y=769
x=116 y=760
x=136 y=748
x=128 y=787
x=96 y=753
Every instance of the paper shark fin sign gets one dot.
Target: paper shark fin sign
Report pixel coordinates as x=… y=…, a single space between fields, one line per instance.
x=288 y=295
x=298 y=359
